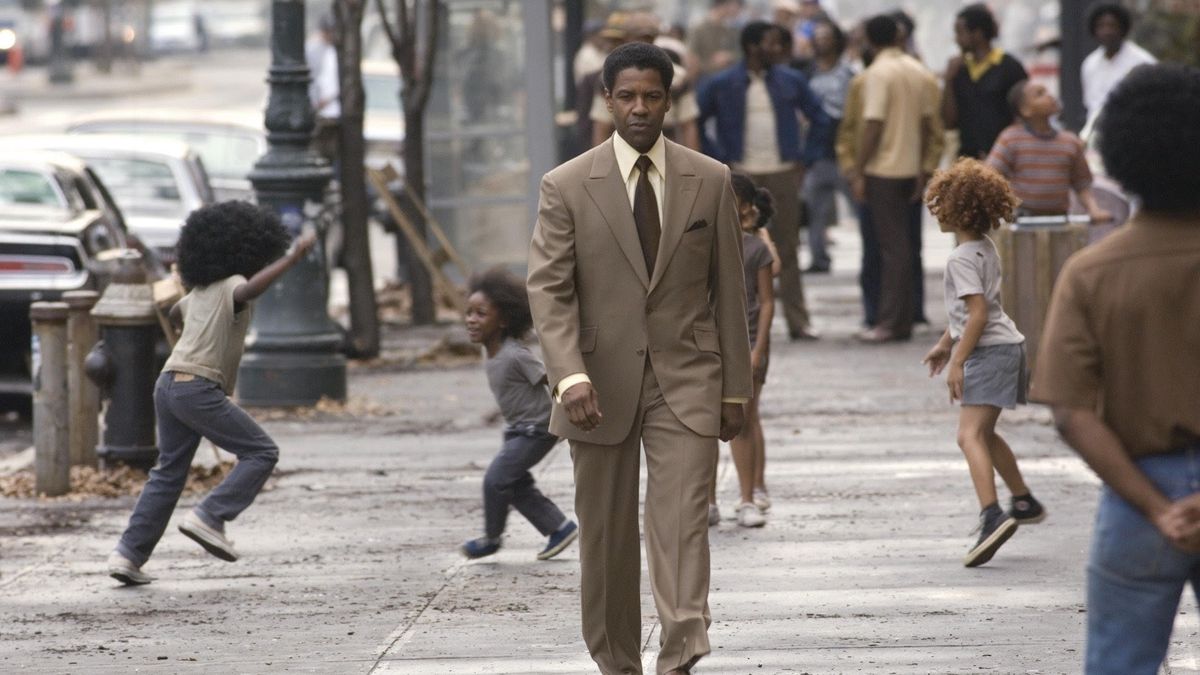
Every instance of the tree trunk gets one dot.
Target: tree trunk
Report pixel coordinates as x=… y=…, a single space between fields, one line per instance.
x=356 y=252
x=424 y=311
x=104 y=56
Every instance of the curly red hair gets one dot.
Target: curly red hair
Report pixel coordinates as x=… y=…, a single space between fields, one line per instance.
x=971 y=196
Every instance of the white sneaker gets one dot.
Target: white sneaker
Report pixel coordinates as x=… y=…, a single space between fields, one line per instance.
x=748 y=515
x=211 y=539
x=762 y=500
x=714 y=515
x=123 y=570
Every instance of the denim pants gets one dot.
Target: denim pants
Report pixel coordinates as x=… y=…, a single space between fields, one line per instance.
x=509 y=483
x=188 y=411
x=822 y=182
x=1135 y=577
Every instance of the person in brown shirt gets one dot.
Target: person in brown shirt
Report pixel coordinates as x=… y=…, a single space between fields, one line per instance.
x=1120 y=366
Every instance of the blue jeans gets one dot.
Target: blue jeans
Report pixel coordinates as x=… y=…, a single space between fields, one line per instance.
x=509 y=483
x=188 y=411
x=1135 y=577
x=822 y=182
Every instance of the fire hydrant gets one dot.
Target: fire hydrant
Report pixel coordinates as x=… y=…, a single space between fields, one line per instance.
x=122 y=364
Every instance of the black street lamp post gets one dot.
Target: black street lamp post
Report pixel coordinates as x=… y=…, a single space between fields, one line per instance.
x=293 y=351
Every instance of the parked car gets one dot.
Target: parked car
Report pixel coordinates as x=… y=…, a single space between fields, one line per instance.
x=156 y=183
x=59 y=231
x=227 y=145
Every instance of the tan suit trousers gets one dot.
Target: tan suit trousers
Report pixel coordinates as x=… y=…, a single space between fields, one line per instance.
x=679 y=464
x=784 y=187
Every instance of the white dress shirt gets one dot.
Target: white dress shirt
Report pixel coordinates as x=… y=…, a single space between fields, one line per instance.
x=1101 y=74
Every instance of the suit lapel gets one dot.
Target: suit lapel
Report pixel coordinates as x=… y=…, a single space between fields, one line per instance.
x=681 y=185
x=607 y=190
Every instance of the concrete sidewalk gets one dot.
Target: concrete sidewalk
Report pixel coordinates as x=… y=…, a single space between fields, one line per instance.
x=350 y=564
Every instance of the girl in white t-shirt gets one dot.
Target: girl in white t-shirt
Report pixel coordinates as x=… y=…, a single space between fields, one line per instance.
x=982 y=347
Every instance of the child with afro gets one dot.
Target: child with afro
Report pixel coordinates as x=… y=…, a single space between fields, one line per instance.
x=982 y=347
x=228 y=255
x=498 y=317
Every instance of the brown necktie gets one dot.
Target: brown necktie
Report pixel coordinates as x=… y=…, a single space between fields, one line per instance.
x=645 y=213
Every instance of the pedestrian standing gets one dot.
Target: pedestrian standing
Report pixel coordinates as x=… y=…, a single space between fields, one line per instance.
x=982 y=346
x=1043 y=164
x=1119 y=364
x=498 y=318
x=228 y=255
x=754 y=107
x=977 y=83
x=830 y=80
x=1109 y=23
x=324 y=89
x=638 y=297
x=888 y=175
x=714 y=41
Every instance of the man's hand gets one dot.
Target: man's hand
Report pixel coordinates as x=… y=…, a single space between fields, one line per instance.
x=1180 y=523
x=954 y=65
x=733 y=418
x=582 y=406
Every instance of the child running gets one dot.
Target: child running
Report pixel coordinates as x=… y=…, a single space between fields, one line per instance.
x=748 y=448
x=498 y=318
x=229 y=254
x=987 y=369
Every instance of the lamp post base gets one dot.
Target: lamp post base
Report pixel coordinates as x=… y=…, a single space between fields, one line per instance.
x=291 y=378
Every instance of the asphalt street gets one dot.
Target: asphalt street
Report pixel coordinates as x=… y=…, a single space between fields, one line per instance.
x=350 y=563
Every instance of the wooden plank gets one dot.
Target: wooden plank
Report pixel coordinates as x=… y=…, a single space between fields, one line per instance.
x=442 y=286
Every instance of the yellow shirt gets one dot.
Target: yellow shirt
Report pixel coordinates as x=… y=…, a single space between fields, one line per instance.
x=896 y=91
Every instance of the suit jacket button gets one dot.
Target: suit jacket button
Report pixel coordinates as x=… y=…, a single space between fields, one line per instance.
x=641 y=352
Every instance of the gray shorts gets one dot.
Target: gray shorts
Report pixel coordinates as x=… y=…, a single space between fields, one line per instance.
x=996 y=375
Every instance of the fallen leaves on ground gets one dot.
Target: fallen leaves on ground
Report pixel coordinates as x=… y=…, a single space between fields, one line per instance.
x=120 y=481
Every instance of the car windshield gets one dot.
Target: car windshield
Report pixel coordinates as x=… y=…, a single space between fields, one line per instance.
x=225 y=154
x=19 y=186
x=139 y=186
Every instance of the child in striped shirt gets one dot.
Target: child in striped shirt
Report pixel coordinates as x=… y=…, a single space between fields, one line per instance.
x=1042 y=163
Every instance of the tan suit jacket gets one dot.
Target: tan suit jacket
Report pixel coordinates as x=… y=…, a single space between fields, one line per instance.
x=598 y=312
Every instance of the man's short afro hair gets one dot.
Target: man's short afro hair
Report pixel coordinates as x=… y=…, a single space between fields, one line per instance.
x=1149 y=134
x=1113 y=9
x=640 y=56
x=978 y=17
x=221 y=240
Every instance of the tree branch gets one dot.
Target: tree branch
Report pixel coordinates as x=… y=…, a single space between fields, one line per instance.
x=387 y=25
x=425 y=85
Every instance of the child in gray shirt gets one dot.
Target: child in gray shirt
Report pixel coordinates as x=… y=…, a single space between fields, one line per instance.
x=498 y=317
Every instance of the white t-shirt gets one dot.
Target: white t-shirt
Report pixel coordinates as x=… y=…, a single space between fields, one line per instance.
x=974 y=269
x=1100 y=73
x=325 y=84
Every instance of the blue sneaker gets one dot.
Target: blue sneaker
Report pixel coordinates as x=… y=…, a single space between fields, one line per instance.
x=559 y=540
x=479 y=548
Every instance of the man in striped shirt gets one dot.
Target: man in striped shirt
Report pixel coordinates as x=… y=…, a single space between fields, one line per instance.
x=1043 y=164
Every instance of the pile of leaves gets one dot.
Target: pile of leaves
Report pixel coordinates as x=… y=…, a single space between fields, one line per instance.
x=120 y=481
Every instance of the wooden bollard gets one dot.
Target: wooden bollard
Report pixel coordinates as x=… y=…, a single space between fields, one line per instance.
x=84 y=396
x=52 y=458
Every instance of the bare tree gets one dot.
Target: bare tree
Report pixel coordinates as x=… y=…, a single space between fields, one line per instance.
x=413 y=21
x=356 y=251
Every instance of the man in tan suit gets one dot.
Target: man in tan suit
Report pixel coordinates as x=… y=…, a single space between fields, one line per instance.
x=637 y=292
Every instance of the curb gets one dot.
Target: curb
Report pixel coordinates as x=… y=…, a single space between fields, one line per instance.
x=159 y=82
